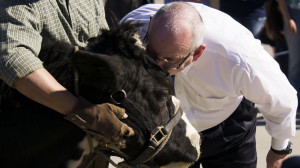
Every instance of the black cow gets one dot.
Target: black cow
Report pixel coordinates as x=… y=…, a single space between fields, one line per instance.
x=35 y=136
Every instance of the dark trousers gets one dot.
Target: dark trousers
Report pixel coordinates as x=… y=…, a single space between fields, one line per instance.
x=231 y=143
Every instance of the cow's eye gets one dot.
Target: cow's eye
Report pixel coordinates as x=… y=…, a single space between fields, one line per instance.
x=161 y=96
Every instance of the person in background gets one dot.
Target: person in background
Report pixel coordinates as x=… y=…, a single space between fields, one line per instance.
x=290 y=10
x=220 y=71
x=250 y=13
x=273 y=35
x=23 y=25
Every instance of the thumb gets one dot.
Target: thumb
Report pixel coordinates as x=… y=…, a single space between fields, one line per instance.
x=118 y=111
x=126 y=130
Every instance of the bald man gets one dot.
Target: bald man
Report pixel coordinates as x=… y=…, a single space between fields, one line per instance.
x=220 y=71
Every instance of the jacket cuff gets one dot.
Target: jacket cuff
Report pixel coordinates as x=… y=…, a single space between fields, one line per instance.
x=279 y=144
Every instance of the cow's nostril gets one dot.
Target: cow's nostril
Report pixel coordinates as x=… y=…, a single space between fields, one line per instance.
x=126 y=133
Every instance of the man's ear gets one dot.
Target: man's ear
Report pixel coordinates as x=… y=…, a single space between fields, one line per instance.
x=198 y=52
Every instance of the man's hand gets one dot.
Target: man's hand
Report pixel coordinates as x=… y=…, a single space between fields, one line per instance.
x=291 y=26
x=99 y=119
x=274 y=160
x=115 y=142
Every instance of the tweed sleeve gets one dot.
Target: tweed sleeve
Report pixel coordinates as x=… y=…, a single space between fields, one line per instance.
x=23 y=24
x=20 y=40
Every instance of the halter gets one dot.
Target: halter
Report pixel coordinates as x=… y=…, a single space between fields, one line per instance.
x=159 y=136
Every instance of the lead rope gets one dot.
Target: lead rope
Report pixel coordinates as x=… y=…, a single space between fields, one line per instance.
x=89 y=138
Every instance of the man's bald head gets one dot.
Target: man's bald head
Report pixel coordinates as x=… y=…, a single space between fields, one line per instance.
x=178 y=18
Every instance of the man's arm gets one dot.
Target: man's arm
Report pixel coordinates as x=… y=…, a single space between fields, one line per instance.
x=274 y=160
x=41 y=87
x=264 y=84
x=289 y=21
x=20 y=67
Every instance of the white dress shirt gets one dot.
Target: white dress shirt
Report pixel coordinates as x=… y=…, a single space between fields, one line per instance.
x=233 y=65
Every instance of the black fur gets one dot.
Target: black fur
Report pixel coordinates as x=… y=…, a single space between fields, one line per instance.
x=35 y=136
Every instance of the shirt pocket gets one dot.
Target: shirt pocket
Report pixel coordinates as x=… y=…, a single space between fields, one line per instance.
x=211 y=104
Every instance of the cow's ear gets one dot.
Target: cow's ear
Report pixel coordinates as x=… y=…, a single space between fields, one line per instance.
x=94 y=67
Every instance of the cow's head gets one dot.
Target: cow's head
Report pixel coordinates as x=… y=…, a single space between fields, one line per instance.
x=116 y=65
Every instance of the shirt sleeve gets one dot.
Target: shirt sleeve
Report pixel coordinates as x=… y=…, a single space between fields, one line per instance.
x=20 y=40
x=262 y=82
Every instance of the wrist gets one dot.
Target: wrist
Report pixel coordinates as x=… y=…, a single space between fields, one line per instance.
x=72 y=103
x=286 y=151
x=81 y=115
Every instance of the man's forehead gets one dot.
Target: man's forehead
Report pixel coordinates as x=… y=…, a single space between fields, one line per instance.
x=170 y=35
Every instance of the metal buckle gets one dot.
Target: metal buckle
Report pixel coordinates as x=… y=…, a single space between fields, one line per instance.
x=159 y=135
x=118 y=96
